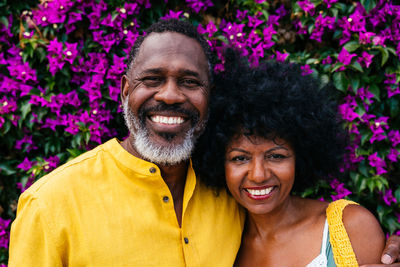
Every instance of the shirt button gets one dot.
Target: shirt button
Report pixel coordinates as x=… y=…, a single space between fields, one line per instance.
x=186 y=240
x=152 y=170
x=165 y=199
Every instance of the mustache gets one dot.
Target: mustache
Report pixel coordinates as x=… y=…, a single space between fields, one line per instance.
x=193 y=115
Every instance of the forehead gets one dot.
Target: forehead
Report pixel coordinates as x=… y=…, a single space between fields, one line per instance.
x=254 y=140
x=171 y=51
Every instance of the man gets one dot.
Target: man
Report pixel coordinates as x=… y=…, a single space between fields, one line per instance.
x=138 y=203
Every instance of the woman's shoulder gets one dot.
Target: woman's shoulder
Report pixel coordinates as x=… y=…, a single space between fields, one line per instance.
x=363 y=229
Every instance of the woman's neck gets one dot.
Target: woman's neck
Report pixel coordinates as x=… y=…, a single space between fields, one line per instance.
x=264 y=225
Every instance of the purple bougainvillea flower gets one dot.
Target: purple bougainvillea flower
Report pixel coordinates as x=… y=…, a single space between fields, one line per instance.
x=199 y=5
x=259 y=1
x=307 y=6
x=379 y=40
x=365 y=59
x=253 y=21
x=378 y=128
x=391 y=91
x=378 y=163
x=2 y=121
x=7 y=105
x=173 y=15
x=340 y=190
x=330 y=2
x=241 y=15
x=345 y=57
x=365 y=37
x=390 y=78
x=55 y=47
x=281 y=11
x=393 y=155
x=394 y=137
x=28 y=183
x=281 y=56
x=268 y=32
x=25 y=165
x=210 y=29
x=22 y=72
x=357 y=19
x=27 y=139
x=306 y=70
x=4 y=234
x=388 y=197
x=70 y=52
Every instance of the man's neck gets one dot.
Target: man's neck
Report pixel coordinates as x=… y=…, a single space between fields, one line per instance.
x=173 y=175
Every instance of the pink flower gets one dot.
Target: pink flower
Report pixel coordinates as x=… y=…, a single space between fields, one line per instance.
x=393 y=155
x=307 y=6
x=394 y=137
x=306 y=70
x=388 y=197
x=378 y=163
x=341 y=191
x=25 y=165
x=345 y=57
x=281 y=56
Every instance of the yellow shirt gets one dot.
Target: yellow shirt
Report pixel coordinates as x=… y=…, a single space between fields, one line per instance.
x=109 y=208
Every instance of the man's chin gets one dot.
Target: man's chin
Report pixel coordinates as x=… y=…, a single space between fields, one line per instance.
x=164 y=149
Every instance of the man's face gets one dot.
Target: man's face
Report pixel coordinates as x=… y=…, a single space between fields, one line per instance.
x=165 y=97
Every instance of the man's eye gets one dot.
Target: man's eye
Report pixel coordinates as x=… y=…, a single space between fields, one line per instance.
x=189 y=82
x=151 y=80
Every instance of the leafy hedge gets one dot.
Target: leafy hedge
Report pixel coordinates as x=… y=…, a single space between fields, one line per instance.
x=61 y=63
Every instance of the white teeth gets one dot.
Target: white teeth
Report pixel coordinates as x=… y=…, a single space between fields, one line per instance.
x=167 y=120
x=261 y=192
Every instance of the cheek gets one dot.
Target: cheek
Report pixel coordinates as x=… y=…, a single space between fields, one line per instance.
x=200 y=101
x=233 y=178
x=138 y=97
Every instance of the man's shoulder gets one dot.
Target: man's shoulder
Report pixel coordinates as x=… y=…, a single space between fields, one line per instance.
x=66 y=175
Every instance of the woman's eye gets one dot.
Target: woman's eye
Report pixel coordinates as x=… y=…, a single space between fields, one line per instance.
x=276 y=156
x=239 y=158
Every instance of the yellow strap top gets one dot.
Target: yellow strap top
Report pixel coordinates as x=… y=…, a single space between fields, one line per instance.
x=341 y=247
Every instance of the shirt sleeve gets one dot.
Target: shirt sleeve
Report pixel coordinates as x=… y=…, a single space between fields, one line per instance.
x=31 y=242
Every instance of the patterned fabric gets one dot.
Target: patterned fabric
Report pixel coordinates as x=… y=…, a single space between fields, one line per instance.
x=342 y=251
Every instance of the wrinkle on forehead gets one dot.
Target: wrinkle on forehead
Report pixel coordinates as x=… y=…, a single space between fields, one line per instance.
x=173 y=48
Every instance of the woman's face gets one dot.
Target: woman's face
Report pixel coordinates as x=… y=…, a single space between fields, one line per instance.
x=259 y=172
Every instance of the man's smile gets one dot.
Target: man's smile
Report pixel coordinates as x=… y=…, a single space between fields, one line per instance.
x=169 y=120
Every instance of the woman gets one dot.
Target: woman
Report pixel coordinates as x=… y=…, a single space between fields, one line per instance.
x=271 y=131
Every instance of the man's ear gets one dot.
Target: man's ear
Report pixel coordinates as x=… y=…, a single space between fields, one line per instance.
x=124 y=88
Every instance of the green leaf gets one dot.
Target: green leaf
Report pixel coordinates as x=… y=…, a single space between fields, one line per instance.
x=74 y=152
x=4 y=21
x=368 y=4
x=351 y=46
x=385 y=54
x=397 y=194
x=394 y=107
x=7 y=169
x=355 y=83
x=374 y=89
x=355 y=65
x=25 y=109
x=340 y=81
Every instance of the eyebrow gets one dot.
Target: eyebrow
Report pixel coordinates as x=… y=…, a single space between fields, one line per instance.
x=183 y=72
x=269 y=150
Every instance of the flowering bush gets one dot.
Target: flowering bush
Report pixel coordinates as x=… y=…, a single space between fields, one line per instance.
x=61 y=63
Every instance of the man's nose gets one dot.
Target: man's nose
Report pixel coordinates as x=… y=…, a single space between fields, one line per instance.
x=258 y=172
x=170 y=93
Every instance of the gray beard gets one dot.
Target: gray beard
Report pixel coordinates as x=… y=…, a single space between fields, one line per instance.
x=170 y=154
